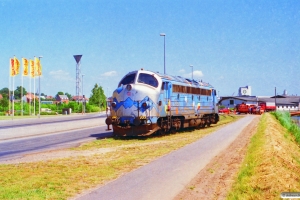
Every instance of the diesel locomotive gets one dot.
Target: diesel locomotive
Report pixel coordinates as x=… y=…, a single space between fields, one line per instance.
x=147 y=102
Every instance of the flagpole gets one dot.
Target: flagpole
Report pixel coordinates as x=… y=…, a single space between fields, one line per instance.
x=13 y=98
x=30 y=94
x=31 y=77
x=34 y=95
x=34 y=61
x=9 y=85
x=39 y=73
x=22 y=90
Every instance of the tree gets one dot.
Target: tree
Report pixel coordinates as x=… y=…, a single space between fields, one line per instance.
x=4 y=91
x=97 y=98
x=18 y=92
x=102 y=98
x=4 y=103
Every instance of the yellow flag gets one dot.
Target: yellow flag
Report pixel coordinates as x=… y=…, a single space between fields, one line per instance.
x=12 y=67
x=17 y=65
x=40 y=72
x=32 y=68
x=25 y=66
x=38 y=66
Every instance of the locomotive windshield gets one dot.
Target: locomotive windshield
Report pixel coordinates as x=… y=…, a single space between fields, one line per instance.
x=147 y=79
x=127 y=79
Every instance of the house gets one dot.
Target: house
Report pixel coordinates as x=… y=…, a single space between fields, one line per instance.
x=49 y=97
x=62 y=98
x=79 y=99
x=29 y=97
x=1 y=97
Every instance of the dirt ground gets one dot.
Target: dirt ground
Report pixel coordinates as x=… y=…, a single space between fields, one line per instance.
x=216 y=178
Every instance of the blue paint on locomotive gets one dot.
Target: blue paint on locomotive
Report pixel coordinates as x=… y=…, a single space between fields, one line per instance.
x=128 y=103
x=119 y=89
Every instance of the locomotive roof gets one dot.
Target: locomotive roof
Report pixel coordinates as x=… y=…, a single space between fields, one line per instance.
x=181 y=80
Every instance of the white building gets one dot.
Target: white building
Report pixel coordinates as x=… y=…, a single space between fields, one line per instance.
x=245 y=91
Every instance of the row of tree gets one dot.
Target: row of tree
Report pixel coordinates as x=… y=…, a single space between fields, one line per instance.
x=18 y=93
x=97 y=98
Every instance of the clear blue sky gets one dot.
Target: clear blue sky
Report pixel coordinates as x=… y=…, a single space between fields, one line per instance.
x=230 y=43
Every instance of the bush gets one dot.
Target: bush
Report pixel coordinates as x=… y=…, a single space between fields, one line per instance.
x=48 y=113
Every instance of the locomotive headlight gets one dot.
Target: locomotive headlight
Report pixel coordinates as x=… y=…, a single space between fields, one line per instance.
x=144 y=105
x=128 y=87
x=113 y=104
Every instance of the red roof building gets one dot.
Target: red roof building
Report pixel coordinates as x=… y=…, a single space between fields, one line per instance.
x=29 y=97
x=79 y=98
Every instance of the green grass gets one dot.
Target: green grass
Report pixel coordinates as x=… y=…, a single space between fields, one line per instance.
x=64 y=178
x=271 y=164
x=252 y=160
x=285 y=120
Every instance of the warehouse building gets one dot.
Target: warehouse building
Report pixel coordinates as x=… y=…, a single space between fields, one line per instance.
x=282 y=102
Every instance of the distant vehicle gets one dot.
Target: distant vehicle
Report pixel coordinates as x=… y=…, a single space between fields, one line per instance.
x=242 y=108
x=258 y=110
x=268 y=106
x=46 y=110
x=224 y=110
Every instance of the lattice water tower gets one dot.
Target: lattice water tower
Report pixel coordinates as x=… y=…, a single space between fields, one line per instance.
x=78 y=80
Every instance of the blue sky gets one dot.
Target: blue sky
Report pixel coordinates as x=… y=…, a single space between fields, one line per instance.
x=230 y=43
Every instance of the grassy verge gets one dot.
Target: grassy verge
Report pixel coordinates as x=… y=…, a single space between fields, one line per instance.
x=63 y=178
x=285 y=120
x=271 y=165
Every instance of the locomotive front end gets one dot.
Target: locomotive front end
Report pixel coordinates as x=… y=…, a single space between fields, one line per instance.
x=133 y=106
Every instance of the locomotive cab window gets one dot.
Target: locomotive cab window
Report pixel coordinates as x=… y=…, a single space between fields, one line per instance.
x=127 y=79
x=164 y=86
x=147 y=79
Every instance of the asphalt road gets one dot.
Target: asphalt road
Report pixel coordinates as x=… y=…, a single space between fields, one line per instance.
x=165 y=177
x=14 y=122
x=15 y=143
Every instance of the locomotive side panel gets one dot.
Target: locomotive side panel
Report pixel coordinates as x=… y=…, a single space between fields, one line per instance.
x=191 y=101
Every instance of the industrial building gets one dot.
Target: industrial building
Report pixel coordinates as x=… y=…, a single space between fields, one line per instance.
x=282 y=102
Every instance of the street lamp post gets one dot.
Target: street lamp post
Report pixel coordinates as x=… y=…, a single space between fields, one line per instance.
x=192 y=71
x=40 y=89
x=83 y=106
x=275 y=100
x=164 y=35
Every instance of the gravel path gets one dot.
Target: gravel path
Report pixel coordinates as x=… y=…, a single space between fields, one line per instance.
x=217 y=177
